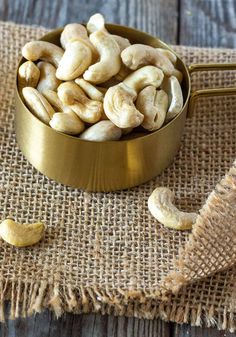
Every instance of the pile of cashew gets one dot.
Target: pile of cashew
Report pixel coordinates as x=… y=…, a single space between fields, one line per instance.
x=98 y=86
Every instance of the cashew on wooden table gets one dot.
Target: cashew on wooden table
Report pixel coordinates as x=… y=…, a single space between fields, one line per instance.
x=21 y=235
x=160 y=204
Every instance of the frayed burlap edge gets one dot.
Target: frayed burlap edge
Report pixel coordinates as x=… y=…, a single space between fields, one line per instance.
x=28 y=298
x=193 y=264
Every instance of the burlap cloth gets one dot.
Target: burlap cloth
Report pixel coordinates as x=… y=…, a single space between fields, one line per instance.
x=103 y=252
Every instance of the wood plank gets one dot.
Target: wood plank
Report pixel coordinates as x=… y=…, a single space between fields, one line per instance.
x=210 y=23
x=156 y=17
x=186 y=330
x=92 y=325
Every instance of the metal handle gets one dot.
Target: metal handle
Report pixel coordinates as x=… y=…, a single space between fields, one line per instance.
x=211 y=91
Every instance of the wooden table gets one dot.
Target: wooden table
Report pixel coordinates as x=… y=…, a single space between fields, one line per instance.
x=189 y=22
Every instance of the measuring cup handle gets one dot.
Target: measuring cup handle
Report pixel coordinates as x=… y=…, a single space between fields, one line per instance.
x=211 y=91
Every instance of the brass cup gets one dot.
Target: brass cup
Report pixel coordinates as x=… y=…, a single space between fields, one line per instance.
x=110 y=165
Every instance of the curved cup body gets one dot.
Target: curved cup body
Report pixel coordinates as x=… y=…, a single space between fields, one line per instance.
x=105 y=166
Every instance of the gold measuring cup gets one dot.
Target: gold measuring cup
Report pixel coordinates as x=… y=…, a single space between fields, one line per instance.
x=110 y=165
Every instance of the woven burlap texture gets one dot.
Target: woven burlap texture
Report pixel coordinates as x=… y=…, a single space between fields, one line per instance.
x=104 y=252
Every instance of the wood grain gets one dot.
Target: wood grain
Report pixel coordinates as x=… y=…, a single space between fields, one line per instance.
x=44 y=324
x=156 y=17
x=188 y=331
x=190 y=22
x=210 y=23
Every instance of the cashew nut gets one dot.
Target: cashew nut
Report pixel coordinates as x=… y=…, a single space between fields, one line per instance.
x=76 y=59
x=56 y=103
x=103 y=91
x=153 y=104
x=71 y=94
x=95 y=23
x=161 y=207
x=42 y=50
x=76 y=32
x=171 y=56
x=71 y=32
x=172 y=87
x=90 y=89
x=138 y=55
x=119 y=99
x=119 y=107
x=123 y=73
x=67 y=122
x=38 y=104
x=21 y=235
x=148 y=75
x=28 y=75
x=109 y=63
x=102 y=131
x=47 y=80
x=121 y=41
x=173 y=59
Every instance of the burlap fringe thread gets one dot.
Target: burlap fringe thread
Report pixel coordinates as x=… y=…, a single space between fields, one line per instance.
x=29 y=298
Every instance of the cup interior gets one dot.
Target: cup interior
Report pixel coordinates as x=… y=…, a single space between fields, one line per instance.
x=135 y=36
